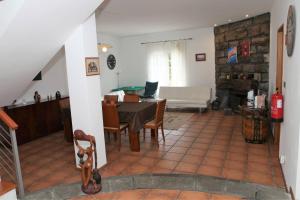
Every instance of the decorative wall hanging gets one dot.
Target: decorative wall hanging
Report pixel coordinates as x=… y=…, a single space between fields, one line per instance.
x=245 y=48
x=92 y=66
x=111 y=62
x=232 y=55
x=200 y=57
x=290 y=31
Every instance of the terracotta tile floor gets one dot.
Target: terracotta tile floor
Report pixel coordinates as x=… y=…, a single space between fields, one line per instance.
x=209 y=144
x=48 y=161
x=158 y=194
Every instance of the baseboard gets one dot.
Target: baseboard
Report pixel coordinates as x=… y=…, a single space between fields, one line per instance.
x=292 y=193
x=189 y=110
x=285 y=185
x=288 y=190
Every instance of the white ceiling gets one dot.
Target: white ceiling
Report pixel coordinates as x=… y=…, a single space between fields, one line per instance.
x=35 y=33
x=8 y=10
x=133 y=17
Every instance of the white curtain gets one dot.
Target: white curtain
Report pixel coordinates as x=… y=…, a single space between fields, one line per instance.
x=166 y=63
x=158 y=64
x=178 y=63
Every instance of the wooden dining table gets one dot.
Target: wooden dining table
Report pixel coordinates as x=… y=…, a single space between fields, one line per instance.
x=136 y=114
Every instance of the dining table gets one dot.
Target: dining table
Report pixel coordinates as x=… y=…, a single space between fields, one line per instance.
x=136 y=114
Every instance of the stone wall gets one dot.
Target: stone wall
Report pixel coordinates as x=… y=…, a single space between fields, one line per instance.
x=257 y=31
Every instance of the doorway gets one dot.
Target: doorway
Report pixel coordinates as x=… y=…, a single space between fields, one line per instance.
x=279 y=76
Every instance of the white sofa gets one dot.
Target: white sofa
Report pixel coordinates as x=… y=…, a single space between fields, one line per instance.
x=186 y=97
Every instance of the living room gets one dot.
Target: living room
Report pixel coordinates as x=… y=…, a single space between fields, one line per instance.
x=200 y=34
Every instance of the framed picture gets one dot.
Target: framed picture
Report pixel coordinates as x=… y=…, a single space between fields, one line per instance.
x=232 y=55
x=200 y=57
x=92 y=66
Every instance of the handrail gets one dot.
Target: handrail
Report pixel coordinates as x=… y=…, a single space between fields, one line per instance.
x=7 y=120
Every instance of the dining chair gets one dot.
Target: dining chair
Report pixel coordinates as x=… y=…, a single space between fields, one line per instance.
x=111 y=121
x=111 y=98
x=131 y=98
x=158 y=120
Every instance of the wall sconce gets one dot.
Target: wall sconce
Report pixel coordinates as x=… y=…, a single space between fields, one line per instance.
x=104 y=47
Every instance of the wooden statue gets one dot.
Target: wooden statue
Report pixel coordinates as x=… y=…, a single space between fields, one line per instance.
x=91 y=179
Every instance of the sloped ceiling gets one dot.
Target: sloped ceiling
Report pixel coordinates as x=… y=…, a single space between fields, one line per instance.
x=134 y=17
x=32 y=37
x=8 y=9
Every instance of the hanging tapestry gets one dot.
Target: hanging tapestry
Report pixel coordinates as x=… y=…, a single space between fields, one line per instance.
x=245 y=48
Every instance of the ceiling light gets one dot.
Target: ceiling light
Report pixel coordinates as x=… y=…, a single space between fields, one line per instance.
x=230 y=20
x=247 y=16
x=215 y=25
x=104 y=47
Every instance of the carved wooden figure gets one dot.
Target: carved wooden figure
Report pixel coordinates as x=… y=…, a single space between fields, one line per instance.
x=91 y=179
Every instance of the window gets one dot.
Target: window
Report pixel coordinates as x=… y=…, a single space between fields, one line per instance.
x=166 y=63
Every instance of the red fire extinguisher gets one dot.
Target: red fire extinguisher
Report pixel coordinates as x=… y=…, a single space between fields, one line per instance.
x=277 y=107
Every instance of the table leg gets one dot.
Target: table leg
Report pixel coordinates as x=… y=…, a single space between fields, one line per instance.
x=134 y=139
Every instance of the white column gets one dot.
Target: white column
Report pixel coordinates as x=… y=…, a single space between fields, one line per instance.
x=85 y=91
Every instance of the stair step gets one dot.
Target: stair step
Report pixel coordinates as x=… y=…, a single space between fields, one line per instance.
x=6 y=187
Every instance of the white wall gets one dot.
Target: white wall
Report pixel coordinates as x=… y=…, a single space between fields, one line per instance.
x=85 y=91
x=33 y=36
x=134 y=59
x=54 y=79
x=289 y=141
x=109 y=78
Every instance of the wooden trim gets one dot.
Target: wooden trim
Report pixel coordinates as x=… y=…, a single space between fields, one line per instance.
x=6 y=187
x=279 y=75
x=279 y=64
x=292 y=193
x=7 y=120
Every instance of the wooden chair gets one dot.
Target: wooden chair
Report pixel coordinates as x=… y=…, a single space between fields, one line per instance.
x=111 y=98
x=158 y=120
x=111 y=121
x=131 y=98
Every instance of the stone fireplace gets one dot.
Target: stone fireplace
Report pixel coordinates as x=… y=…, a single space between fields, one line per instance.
x=233 y=81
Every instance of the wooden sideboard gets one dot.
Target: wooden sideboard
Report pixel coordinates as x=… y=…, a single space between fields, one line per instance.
x=36 y=120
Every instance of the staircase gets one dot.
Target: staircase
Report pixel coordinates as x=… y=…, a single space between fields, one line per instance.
x=9 y=154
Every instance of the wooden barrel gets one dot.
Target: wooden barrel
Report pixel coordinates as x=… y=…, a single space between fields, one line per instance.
x=255 y=129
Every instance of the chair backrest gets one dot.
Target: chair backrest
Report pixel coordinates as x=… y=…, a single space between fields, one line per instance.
x=131 y=98
x=160 y=110
x=110 y=115
x=111 y=98
x=150 y=88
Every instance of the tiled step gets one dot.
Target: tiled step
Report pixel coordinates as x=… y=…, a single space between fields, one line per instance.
x=182 y=182
x=6 y=187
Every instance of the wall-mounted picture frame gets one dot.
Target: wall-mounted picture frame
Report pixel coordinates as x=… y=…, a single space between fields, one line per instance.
x=92 y=66
x=200 y=57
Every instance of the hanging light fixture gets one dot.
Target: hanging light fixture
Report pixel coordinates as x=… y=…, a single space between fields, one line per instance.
x=104 y=47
